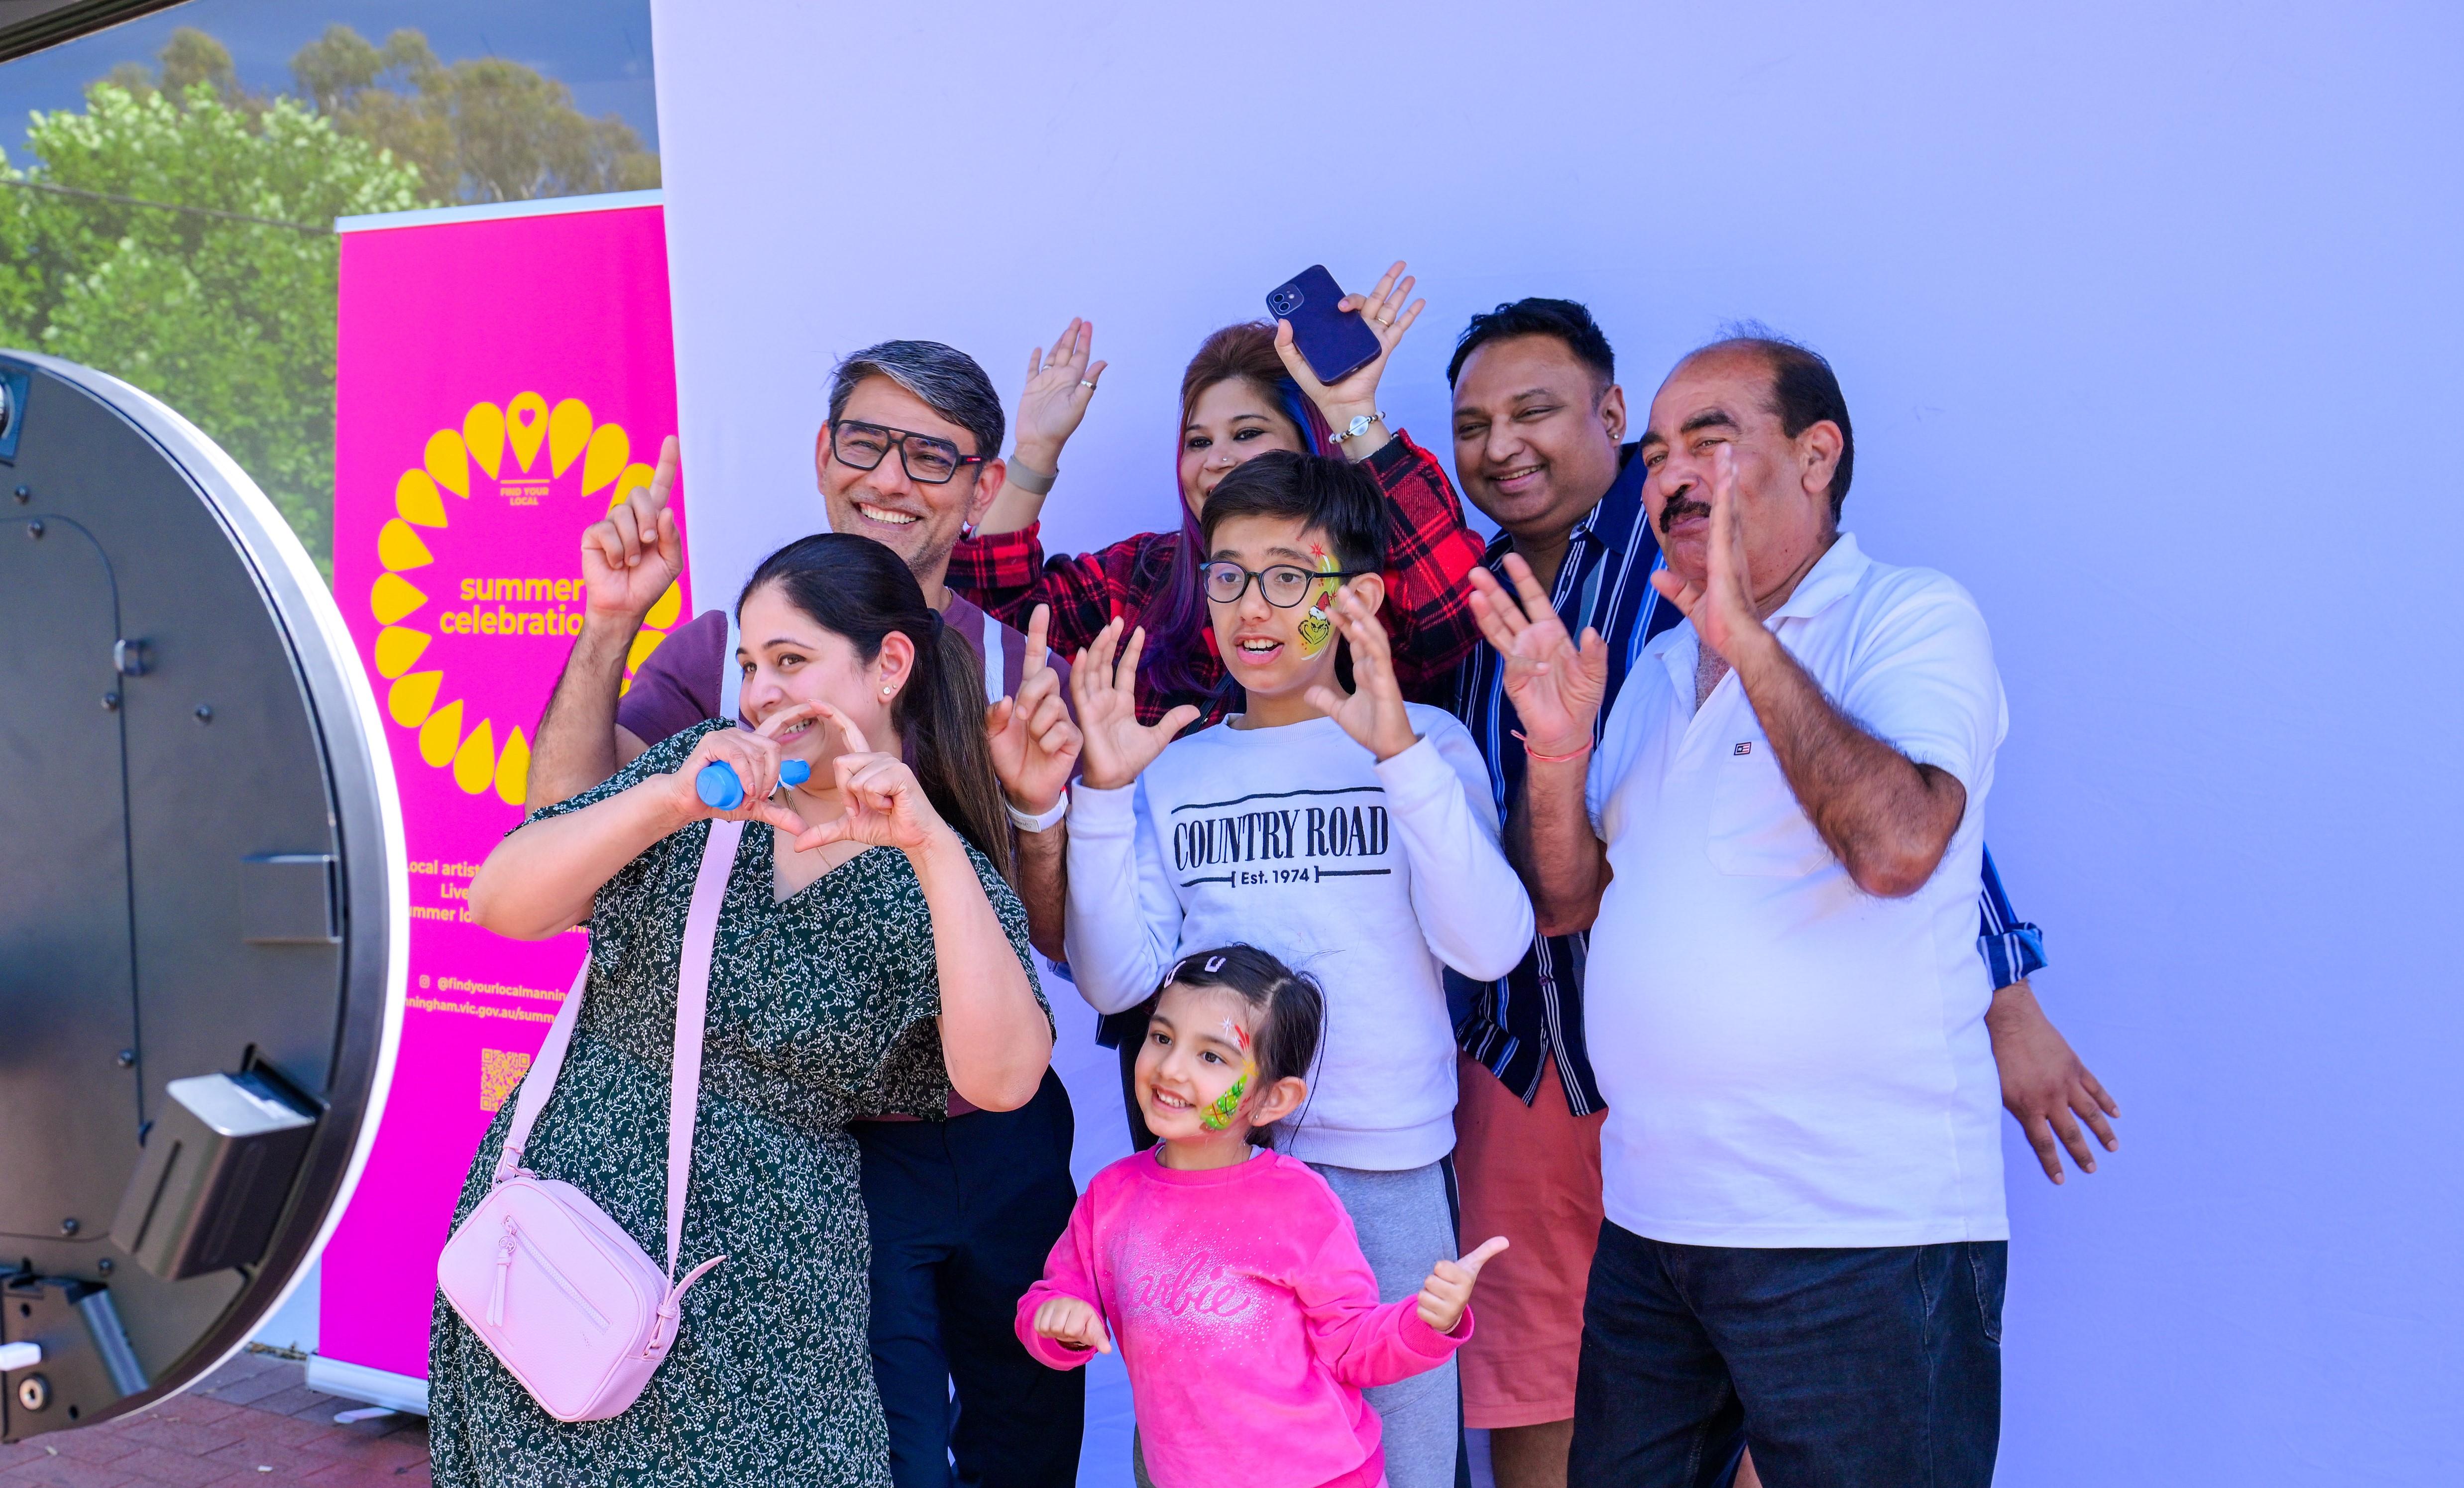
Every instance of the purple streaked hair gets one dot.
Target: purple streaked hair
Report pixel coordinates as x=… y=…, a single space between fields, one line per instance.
x=1175 y=617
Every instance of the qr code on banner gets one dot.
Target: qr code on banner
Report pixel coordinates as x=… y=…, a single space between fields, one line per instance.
x=501 y=1075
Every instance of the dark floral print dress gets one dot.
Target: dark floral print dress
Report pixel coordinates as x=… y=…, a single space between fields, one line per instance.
x=821 y=1008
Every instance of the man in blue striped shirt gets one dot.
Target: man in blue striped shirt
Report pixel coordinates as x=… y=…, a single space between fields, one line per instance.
x=1539 y=427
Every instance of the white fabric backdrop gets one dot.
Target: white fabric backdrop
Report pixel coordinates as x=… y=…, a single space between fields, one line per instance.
x=2148 y=318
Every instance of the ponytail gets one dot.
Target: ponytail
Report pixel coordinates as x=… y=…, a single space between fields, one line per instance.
x=855 y=588
x=945 y=737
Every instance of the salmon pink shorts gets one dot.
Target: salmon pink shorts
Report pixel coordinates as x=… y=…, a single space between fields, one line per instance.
x=1532 y=1174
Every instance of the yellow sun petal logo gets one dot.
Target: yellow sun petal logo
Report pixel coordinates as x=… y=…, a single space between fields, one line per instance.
x=469 y=748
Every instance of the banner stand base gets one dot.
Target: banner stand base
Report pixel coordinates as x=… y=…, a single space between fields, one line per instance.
x=375 y=1387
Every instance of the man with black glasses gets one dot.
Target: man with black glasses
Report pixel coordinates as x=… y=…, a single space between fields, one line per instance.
x=963 y=1212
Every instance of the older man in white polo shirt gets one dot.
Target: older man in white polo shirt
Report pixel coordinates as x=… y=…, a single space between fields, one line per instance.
x=1776 y=846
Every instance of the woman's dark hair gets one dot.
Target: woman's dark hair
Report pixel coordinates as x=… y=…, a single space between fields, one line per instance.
x=1176 y=618
x=852 y=586
x=1291 y=1007
x=1563 y=321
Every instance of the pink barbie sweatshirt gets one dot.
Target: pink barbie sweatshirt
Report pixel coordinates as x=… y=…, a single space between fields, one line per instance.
x=1238 y=1299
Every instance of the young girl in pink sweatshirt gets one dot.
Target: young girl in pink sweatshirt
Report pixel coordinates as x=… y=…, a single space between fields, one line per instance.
x=1248 y=1319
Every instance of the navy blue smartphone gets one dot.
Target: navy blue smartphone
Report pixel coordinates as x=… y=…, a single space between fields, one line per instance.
x=1336 y=342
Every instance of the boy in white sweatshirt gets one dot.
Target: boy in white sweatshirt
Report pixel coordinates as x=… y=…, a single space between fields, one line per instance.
x=1349 y=834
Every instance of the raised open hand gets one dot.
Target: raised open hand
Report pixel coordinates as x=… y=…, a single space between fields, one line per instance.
x=884 y=806
x=632 y=555
x=1034 y=744
x=1372 y=711
x=1059 y=387
x=1722 y=605
x=755 y=756
x=1118 y=746
x=1555 y=687
x=1384 y=311
x=1448 y=1292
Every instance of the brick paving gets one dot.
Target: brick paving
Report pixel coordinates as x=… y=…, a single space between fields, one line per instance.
x=253 y=1421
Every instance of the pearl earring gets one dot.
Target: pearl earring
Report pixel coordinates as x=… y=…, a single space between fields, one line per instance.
x=886 y=690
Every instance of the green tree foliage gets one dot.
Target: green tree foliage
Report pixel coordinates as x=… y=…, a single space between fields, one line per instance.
x=232 y=321
x=484 y=130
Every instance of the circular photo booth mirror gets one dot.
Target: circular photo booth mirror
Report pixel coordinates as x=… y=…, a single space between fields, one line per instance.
x=202 y=913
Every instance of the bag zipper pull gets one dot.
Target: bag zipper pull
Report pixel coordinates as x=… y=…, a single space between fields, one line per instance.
x=504 y=1268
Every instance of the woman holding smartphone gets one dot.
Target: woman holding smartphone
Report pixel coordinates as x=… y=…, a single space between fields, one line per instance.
x=1247 y=390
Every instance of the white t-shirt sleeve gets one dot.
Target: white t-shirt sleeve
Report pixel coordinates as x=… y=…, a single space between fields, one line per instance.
x=1614 y=753
x=1923 y=678
x=1117 y=959
x=1472 y=909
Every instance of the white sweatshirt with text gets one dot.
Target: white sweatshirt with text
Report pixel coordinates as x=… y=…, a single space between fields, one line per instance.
x=1370 y=878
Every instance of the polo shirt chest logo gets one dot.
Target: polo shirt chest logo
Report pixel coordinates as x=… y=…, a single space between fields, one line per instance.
x=1744 y=746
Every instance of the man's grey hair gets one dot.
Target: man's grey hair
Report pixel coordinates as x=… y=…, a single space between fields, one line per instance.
x=947 y=380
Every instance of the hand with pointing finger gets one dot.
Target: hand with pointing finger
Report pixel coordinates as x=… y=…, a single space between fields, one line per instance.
x=1034 y=743
x=632 y=555
x=1448 y=1292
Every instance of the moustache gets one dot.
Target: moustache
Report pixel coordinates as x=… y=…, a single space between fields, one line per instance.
x=1682 y=506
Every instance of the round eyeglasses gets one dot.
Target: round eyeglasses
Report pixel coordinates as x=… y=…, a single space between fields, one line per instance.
x=1285 y=584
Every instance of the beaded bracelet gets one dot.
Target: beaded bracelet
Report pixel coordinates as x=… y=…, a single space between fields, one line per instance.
x=1532 y=754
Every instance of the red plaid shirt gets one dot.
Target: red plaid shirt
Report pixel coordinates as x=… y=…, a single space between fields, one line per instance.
x=1428 y=601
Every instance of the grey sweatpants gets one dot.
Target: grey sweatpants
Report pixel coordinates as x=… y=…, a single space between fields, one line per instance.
x=1406 y=1228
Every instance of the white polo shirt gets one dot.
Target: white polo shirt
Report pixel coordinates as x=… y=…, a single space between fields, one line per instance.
x=1789 y=1060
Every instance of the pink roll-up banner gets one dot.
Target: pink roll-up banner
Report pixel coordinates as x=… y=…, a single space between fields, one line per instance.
x=504 y=376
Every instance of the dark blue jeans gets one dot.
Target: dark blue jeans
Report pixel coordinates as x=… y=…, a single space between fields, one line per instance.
x=1842 y=1368
x=964 y=1213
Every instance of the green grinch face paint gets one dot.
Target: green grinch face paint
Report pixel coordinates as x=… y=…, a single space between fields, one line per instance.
x=1227 y=1105
x=1317 y=626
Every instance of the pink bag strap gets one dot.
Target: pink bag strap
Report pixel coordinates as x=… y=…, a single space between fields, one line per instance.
x=539 y=1081
x=692 y=1006
x=692 y=1002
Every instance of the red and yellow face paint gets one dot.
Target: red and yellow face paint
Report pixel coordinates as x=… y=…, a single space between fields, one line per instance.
x=1227 y=1105
x=1317 y=626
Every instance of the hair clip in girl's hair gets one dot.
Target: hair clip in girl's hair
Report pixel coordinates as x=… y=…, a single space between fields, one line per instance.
x=1214 y=964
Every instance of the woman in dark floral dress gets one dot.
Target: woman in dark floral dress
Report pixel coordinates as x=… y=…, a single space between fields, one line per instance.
x=871 y=959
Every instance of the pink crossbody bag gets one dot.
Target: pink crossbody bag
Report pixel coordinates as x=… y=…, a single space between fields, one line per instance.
x=559 y=1291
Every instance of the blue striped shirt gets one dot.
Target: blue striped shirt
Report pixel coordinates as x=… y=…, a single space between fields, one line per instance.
x=1533 y=1019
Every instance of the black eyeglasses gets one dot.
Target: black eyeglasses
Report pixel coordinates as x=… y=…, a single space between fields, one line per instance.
x=926 y=459
x=1283 y=584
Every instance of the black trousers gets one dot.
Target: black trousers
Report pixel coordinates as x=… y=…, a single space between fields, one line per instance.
x=1842 y=1368
x=964 y=1213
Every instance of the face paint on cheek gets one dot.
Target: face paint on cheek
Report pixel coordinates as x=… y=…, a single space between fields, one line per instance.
x=1317 y=628
x=1227 y=1105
